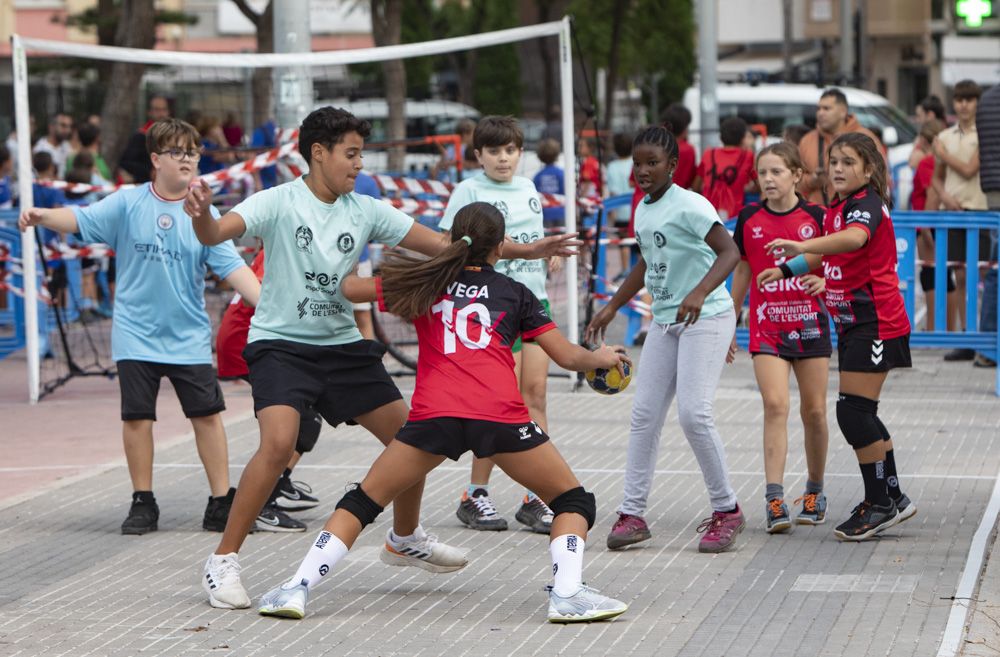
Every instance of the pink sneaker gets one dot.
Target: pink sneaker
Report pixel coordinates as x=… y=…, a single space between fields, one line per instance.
x=721 y=530
x=628 y=530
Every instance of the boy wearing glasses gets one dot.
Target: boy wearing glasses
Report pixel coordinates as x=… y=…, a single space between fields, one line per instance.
x=160 y=327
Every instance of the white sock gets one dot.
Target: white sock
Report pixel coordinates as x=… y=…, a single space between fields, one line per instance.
x=567 y=564
x=418 y=535
x=325 y=553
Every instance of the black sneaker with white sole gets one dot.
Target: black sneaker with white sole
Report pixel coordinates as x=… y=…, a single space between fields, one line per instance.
x=273 y=519
x=291 y=495
x=907 y=509
x=143 y=515
x=866 y=521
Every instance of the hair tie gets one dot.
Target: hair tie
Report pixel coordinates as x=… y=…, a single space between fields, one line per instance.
x=466 y=239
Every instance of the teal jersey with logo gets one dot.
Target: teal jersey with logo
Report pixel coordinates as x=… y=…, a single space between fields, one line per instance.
x=160 y=312
x=521 y=206
x=309 y=247
x=671 y=235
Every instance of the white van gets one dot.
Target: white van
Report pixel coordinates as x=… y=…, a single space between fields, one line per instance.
x=777 y=106
x=424 y=118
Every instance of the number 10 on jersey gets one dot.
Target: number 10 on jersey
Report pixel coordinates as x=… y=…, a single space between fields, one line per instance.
x=457 y=324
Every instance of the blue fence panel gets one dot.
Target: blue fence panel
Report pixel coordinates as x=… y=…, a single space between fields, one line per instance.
x=12 y=317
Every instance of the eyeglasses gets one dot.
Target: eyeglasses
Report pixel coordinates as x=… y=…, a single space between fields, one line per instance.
x=180 y=154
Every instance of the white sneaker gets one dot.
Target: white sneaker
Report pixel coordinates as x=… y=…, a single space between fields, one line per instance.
x=583 y=606
x=285 y=601
x=221 y=582
x=424 y=551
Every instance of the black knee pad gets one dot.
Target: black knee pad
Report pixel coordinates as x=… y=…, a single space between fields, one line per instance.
x=310 y=424
x=927 y=279
x=364 y=508
x=576 y=500
x=857 y=420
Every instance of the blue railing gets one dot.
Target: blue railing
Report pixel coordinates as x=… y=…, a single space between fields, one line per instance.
x=905 y=224
x=12 y=315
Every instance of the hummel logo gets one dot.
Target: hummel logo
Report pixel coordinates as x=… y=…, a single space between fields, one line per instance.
x=877 y=349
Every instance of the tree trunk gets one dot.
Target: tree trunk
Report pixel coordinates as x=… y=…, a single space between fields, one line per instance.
x=105 y=37
x=617 y=19
x=263 y=92
x=136 y=29
x=387 y=18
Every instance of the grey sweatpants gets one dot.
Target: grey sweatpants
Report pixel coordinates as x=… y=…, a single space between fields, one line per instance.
x=685 y=361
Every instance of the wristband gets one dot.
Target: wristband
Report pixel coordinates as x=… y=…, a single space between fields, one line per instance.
x=798 y=265
x=786 y=271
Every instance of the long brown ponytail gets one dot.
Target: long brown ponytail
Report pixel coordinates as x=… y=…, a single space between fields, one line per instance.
x=411 y=285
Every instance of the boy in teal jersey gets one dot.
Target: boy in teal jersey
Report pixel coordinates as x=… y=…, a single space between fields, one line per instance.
x=498 y=142
x=160 y=327
x=304 y=348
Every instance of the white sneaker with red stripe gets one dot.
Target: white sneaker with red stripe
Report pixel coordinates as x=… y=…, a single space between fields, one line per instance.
x=423 y=551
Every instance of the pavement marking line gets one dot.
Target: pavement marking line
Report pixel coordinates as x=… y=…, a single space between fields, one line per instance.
x=951 y=640
x=455 y=468
x=839 y=583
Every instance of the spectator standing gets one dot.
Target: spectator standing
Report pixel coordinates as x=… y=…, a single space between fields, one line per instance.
x=90 y=142
x=232 y=130
x=833 y=118
x=135 y=165
x=988 y=126
x=56 y=141
x=725 y=173
x=620 y=182
x=922 y=197
x=551 y=180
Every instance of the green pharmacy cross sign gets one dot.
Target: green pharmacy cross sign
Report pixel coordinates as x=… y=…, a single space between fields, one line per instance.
x=973 y=11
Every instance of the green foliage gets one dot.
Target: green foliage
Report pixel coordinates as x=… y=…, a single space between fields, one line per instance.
x=657 y=37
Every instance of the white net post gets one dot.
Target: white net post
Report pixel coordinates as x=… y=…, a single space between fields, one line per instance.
x=569 y=162
x=24 y=177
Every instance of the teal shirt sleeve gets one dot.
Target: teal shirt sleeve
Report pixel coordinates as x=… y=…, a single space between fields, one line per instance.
x=700 y=217
x=390 y=225
x=460 y=197
x=100 y=221
x=258 y=212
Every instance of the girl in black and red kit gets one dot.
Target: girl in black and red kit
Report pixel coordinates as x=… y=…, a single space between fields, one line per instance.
x=789 y=332
x=467 y=317
x=858 y=254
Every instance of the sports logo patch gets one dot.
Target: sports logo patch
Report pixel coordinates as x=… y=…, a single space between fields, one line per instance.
x=534 y=205
x=806 y=231
x=502 y=207
x=345 y=243
x=838 y=221
x=659 y=240
x=165 y=221
x=303 y=239
x=758 y=232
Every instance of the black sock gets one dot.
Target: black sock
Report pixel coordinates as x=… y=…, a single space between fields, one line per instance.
x=287 y=473
x=891 y=478
x=875 y=489
x=144 y=497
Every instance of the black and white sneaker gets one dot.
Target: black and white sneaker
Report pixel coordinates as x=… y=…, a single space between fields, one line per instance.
x=217 y=512
x=866 y=521
x=143 y=515
x=273 y=519
x=907 y=509
x=293 y=495
x=479 y=512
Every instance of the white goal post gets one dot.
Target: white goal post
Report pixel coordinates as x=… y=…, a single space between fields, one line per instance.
x=22 y=45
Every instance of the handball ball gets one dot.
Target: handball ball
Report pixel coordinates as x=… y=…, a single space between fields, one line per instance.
x=609 y=382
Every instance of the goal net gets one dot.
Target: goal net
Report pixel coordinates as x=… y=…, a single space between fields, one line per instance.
x=232 y=99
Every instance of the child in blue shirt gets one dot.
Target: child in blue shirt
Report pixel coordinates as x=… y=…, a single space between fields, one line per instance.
x=551 y=180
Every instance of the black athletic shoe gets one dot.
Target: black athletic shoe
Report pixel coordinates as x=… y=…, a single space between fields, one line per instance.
x=866 y=520
x=291 y=495
x=907 y=509
x=479 y=512
x=217 y=512
x=142 y=516
x=273 y=519
x=960 y=354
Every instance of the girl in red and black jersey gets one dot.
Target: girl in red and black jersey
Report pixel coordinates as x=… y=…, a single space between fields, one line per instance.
x=858 y=253
x=789 y=331
x=467 y=317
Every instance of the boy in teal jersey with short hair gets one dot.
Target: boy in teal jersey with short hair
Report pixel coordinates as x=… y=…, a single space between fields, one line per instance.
x=304 y=347
x=160 y=327
x=499 y=142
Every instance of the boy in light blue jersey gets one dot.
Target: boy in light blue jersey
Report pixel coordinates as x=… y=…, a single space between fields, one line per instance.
x=160 y=327
x=498 y=142
x=304 y=348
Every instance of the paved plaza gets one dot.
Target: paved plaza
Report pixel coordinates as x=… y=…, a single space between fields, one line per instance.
x=71 y=584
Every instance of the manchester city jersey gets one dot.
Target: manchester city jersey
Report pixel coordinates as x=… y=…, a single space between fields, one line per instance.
x=522 y=213
x=160 y=284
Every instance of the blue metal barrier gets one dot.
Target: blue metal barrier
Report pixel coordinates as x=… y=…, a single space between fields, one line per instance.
x=12 y=315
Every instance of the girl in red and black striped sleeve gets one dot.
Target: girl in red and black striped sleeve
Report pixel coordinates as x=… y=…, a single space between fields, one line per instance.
x=467 y=317
x=858 y=253
x=789 y=331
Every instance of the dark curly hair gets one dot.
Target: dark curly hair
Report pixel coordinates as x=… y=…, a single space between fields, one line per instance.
x=327 y=126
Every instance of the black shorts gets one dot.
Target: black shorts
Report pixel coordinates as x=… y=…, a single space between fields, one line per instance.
x=340 y=381
x=791 y=358
x=310 y=423
x=196 y=386
x=860 y=350
x=453 y=436
x=956 y=245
